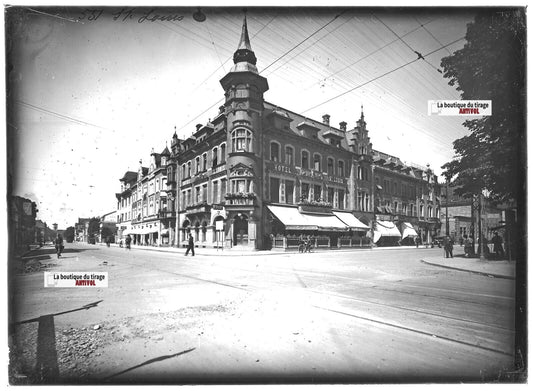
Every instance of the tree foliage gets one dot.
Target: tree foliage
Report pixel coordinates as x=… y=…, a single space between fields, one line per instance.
x=69 y=234
x=491 y=66
x=94 y=227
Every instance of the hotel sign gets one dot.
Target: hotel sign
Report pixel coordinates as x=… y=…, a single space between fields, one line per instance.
x=302 y=172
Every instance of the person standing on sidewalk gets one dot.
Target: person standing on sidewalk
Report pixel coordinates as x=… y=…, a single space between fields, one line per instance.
x=128 y=242
x=448 y=247
x=498 y=248
x=190 y=246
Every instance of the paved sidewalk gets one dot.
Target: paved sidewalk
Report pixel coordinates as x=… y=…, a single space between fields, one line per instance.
x=497 y=269
x=232 y=252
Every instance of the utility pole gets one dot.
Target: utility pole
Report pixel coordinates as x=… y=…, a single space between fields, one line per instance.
x=477 y=203
x=447 y=200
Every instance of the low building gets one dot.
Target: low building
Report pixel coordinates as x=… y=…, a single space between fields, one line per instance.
x=22 y=223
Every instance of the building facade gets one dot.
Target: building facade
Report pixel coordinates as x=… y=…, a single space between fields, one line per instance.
x=258 y=176
x=22 y=223
x=142 y=204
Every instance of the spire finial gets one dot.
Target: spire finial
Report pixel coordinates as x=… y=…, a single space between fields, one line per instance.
x=244 y=51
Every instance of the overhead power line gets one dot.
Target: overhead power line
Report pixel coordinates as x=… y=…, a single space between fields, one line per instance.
x=309 y=37
x=59 y=115
x=420 y=56
x=268 y=66
x=381 y=76
x=374 y=52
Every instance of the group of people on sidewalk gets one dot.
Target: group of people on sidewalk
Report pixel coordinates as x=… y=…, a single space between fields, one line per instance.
x=469 y=246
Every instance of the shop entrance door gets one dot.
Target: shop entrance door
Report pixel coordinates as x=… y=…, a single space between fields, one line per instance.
x=240 y=230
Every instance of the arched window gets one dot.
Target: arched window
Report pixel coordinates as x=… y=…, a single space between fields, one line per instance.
x=189 y=169
x=274 y=151
x=214 y=159
x=204 y=163
x=330 y=166
x=289 y=155
x=197 y=165
x=223 y=153
x=340 y=168
x=305 y=159
x=241 y=140
x=317 y=162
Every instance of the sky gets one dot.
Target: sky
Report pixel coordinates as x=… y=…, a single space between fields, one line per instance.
x=91 y=96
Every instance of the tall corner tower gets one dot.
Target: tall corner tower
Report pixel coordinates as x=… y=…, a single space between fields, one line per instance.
x=244 y=105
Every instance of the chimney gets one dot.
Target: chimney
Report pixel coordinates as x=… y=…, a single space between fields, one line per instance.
x=221 y=110
x=198 y=126
x=342 y=126
x=325 y=119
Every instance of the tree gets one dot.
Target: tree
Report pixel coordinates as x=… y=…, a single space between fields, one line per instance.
x=69 y=234
x=491 y=66
x=94 y=227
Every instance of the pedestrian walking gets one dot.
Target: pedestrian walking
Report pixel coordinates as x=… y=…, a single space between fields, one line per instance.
x=448 y=247
x=190 y=246
x=498 y=248
x=128 y=242
x=59 y=245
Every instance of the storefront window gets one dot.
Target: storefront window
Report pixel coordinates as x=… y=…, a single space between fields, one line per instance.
x=289 y=192
x=341 y=199
x=274 y=190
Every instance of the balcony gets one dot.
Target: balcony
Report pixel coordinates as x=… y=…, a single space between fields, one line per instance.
x=201 y=207
x=166 y=214
x=321 y=207
x=240 y=199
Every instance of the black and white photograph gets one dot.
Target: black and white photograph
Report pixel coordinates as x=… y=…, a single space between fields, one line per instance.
x=229 y=195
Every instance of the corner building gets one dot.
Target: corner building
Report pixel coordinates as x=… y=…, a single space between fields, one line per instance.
x=259 y=176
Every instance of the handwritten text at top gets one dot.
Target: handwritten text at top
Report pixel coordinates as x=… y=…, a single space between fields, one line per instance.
x=129 y=14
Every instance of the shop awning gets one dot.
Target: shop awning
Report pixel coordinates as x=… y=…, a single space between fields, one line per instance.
x=408 y=231
x=351 y=221
x=385 y=228
x=292 y=219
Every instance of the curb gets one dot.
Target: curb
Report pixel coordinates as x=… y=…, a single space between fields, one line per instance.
x=470 y=271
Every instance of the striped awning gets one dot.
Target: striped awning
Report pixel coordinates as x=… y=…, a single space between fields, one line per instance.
x=293 y=220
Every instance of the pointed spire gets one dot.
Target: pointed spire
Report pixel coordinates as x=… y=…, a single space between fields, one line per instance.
x=362 y=114
x=244 y=51
x=245 y=38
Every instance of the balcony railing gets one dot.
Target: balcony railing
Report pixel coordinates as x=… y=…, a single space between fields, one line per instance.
x=314 y=206
x=166 y=214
